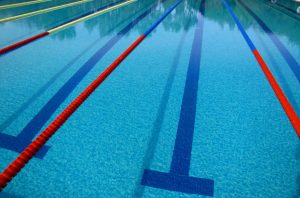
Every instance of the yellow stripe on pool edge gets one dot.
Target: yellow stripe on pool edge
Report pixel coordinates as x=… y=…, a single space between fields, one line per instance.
x=89 y=16
x=43 y=11
x=22 y=4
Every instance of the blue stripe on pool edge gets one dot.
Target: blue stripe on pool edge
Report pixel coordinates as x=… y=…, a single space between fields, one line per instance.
x=38 y=121
x=178 y=178
x=295 y=67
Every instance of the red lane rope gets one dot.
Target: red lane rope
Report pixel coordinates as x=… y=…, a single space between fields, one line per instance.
x=19 y=44
x=15 y=167
x=288 y=108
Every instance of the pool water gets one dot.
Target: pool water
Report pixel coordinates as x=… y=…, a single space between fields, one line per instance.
x=194 y=75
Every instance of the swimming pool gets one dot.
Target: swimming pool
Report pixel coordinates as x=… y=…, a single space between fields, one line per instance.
x=188 y=113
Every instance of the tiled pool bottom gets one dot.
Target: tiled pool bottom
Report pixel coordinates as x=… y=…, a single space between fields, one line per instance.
x=190 y=100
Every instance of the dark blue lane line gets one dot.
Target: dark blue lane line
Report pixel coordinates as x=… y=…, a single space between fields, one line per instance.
x=178 y=178
x=157 y=125
x=41 y=90
x=19 y=143
x=295 y=67
x=184 y=139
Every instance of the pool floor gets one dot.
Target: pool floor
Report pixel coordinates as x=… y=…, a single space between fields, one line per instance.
x=186 y=98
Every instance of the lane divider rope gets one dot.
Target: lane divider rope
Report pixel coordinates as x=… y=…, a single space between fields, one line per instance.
x=22 y=4
x=15 y=167
x=286 y=105
x=71 y=22
x=294 y=66
x=43 y=11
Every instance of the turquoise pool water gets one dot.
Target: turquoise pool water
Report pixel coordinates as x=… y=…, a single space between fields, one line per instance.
x=242 y=139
